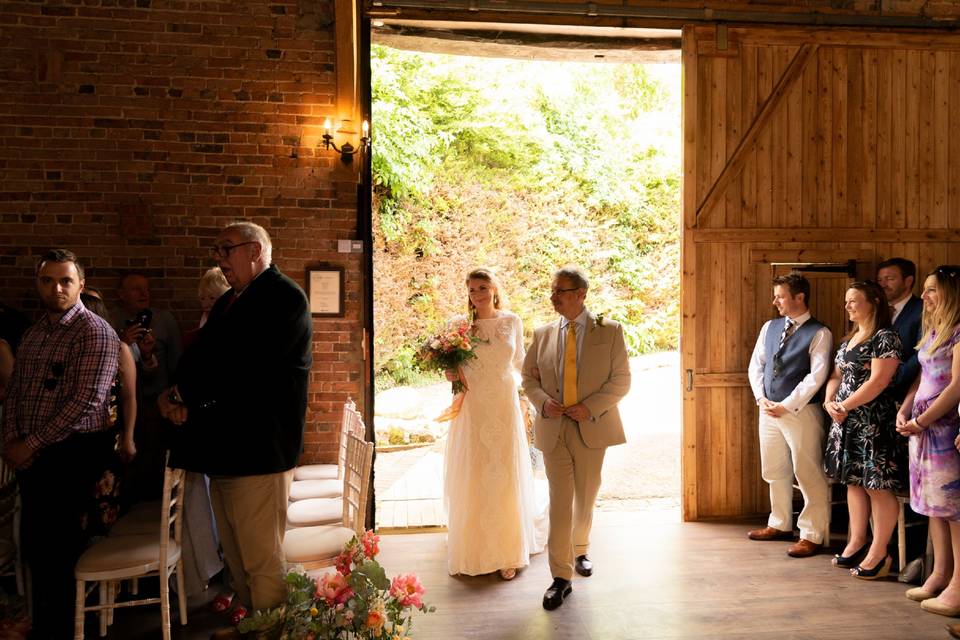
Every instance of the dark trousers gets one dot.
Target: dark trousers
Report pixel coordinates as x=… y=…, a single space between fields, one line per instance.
x=55 y=493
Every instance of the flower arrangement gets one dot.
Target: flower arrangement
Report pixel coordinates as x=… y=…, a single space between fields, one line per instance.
x=448 y=350
x=356 y=602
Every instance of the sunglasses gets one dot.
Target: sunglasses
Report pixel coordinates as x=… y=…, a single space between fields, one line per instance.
x=947 y=271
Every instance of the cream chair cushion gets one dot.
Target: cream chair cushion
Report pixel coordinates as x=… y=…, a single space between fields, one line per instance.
x=316 y=472
x=315 y=511
x=139 y=553
x=306 y=489
x=309 y=544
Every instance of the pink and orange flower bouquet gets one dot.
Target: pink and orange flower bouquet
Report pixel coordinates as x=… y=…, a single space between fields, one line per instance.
x=356 y=602
x=449 y=350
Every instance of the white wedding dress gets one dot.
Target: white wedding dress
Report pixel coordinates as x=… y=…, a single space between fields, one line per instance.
x=494 y=518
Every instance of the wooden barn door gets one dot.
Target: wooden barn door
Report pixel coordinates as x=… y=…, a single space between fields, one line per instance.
x=801 y=146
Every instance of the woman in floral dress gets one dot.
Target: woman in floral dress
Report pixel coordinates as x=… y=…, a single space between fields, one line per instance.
x=863 y=449
x=929 y=418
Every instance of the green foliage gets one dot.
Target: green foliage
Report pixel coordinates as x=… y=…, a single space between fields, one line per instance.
x=523 y=166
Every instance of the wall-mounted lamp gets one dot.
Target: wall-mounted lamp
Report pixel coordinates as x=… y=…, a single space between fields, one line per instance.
x=346 y=150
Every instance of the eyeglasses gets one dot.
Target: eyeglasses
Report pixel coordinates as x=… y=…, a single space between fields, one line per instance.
x=223 y=251
x=555 y=290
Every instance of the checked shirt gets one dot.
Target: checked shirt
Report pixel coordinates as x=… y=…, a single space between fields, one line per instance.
x=61 y=380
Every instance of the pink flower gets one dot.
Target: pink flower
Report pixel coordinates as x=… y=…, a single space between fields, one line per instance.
x=371 y=544
x=333 y=588
x=407 y=590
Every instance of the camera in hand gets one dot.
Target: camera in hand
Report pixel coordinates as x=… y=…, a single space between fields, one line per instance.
x=142 y=318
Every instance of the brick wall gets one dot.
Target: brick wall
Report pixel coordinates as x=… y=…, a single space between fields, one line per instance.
x=132 y=130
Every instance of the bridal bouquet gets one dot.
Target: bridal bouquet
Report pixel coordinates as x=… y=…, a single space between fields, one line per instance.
x=448 y=350
x=356 y=602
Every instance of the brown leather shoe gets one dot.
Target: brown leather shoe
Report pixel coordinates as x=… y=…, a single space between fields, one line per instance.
x=804 y=549
x=769 y=533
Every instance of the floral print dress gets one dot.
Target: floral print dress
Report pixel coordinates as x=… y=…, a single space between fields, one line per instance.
x=865 y=450
x=934 y=460
x=103 y=507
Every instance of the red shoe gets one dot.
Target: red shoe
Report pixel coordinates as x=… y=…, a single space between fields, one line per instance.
x=221 y=604
x=239 y=613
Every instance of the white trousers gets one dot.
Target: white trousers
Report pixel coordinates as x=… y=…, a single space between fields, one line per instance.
x=792 y=445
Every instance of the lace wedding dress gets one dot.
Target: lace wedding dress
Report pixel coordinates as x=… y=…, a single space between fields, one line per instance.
x=494 y=518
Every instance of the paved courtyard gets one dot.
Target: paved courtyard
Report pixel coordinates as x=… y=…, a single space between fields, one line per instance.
x=643 y=474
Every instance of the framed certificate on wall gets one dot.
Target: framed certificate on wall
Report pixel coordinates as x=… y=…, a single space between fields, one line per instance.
x=325 y=291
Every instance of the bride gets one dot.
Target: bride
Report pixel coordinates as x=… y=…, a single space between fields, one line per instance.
x=488 y=478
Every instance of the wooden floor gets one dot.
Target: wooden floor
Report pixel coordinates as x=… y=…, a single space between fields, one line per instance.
x=655 y=578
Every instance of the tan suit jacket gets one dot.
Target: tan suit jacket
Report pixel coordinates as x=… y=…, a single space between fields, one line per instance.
x=603 y=380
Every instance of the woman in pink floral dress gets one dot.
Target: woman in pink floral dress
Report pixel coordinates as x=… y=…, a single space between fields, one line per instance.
x=929 y=417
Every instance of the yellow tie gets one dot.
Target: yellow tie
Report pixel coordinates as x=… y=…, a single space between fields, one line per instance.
x=570 y=367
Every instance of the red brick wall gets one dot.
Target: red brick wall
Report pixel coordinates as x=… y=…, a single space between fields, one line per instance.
x=132 y=130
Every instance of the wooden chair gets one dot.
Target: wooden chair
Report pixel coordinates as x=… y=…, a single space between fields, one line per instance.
x=125 y=557
x=11 y=563
x=318 y=546
x=308 y=485
x=903 y=501
x=310 y=512
x=332 y=471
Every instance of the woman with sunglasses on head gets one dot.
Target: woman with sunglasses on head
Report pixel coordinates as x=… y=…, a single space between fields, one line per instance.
x=929 y=418
x=863 y=450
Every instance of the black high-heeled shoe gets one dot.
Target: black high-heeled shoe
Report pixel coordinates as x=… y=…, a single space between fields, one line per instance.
x=848 y=562
x=879 y=571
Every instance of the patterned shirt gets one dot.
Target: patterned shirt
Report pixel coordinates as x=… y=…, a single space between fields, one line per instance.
x=61 y=380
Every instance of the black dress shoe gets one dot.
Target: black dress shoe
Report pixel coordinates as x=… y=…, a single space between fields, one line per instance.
x=554 y=595
x=583 y=566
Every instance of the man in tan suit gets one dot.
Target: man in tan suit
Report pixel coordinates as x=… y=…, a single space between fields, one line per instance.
x=575 y=373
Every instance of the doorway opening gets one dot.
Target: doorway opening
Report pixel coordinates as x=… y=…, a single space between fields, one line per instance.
x=534 y=151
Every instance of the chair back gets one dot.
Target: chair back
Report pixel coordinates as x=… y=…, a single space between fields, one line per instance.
x=10 y=558
x=347 y=423
x=8 y=496
x=356 y=482
x=171 y=512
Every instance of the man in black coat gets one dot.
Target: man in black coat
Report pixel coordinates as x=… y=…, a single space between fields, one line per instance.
x=897 y=276
x=240 y=398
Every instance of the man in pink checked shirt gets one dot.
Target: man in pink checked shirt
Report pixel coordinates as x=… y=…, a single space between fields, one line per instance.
x=54 y=432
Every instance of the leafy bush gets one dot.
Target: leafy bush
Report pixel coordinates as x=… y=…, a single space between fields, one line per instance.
x=525 y=167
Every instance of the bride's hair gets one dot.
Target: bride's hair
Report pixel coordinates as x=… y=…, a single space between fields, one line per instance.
x=483 y=273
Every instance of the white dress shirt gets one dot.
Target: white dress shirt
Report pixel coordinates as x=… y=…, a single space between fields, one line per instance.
x=821 y=347
x=897 y=308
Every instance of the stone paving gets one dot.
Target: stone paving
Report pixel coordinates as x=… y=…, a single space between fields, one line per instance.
x=643 y=474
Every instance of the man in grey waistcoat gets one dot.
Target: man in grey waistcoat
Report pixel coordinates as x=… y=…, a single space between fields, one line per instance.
x=790 y=364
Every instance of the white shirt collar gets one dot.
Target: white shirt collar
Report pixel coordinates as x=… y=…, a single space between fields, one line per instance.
x=580 y=320
x=898 y=307
x=800 y=319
